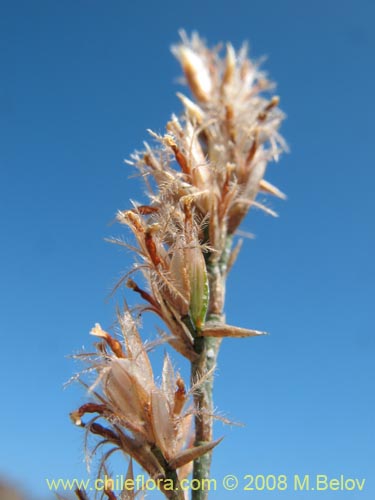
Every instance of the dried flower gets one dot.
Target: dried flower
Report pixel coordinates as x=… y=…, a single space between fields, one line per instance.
x=151 y=423
x=203 y=175
x=223 y=143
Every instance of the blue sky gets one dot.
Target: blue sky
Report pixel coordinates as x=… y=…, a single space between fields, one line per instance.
x=81 y=82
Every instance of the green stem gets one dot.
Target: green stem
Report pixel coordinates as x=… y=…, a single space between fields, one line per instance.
x=172 y=494
x=170 y=485
x=207 y=349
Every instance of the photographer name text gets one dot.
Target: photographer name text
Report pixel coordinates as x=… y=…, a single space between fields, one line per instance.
x=295 y=482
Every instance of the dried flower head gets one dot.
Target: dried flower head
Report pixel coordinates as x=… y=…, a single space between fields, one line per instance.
x=150 y=423
x=217 y=153
x=202 y=176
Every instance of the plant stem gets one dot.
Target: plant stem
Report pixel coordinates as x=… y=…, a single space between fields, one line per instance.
x=170 y=476
x=208 y=349
x=177 y=493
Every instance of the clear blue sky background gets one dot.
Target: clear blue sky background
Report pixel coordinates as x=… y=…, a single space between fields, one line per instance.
x=80 y=83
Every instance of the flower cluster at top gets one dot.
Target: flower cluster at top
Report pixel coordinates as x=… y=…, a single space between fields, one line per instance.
x=203 y=176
